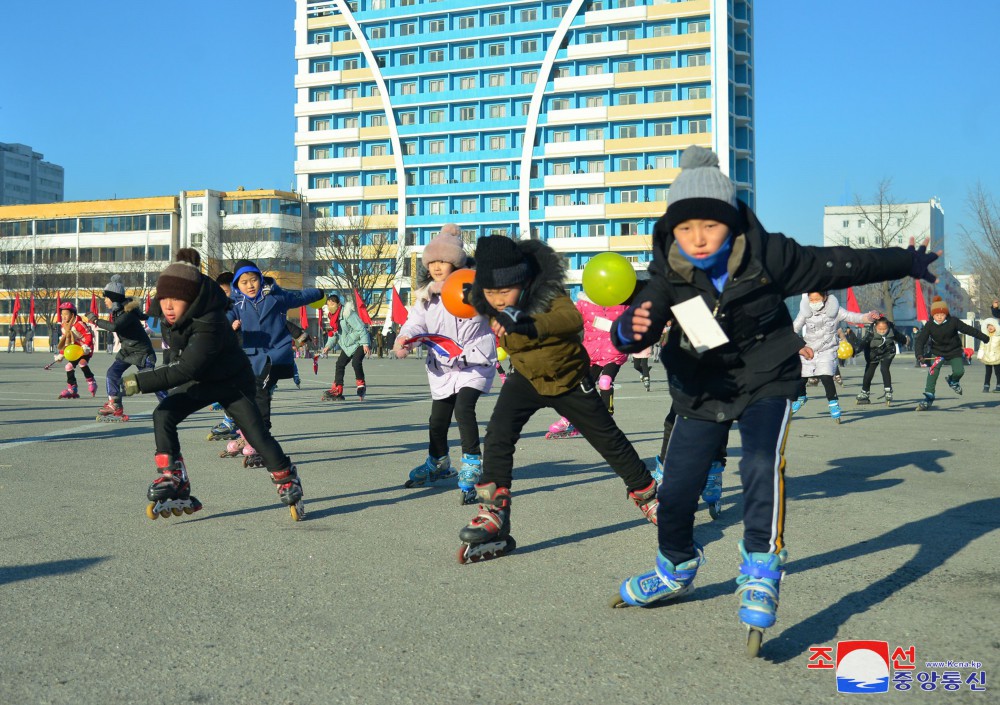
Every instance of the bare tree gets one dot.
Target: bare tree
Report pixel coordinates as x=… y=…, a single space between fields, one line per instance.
x=982 y=242
x=252 y=241
x=358 y=254
x=888 y=223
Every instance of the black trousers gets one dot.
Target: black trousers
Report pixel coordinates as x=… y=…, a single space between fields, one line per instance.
x=463 y=406
x=266 y=383
x=84 y=365
x=692 y=448
x=356 y=360
x=668 y=427
x=518 y=401
x=641 y=365
x=828 y=386
x=240 y=404
x=870 y=367
x=991 y=368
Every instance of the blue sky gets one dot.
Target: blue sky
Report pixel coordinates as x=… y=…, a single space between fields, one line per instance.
x=141 y=99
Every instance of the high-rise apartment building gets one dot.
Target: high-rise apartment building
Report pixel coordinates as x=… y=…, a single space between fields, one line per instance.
x=26 y=178
x=555 y=119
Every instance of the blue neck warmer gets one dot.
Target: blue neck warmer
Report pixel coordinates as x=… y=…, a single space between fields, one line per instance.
x=715 y=265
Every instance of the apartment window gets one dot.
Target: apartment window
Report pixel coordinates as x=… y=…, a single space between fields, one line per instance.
x=320 y=153
x=697 y=60
x=435 y=85
x=627 y=131
x=628 y=164
x=630 y=196
x=408 y=59
x=697 y=126
x=321 y=38
x=628 y=99
x=594 y=199
x=498 y=142
x=529 y=15
x=320 y=124
x=409 y=148
x=697 y=93
x=594 y=133
x=377 y=4
x=595 y=101
x=197 y=209
x=498 y=111
x=409 y=118
x=322 y=67
x=436 y=176
x=662 y=62
x=561 y=136
x=625 y=34
x=662 y=129
x=846 y=223
x=697 y=27
x=467 y=144
x=558 y=11
x=594 y=70
x=529 y=77
x=625 y=67
x=561 y=168
x=435 y=26
x=663 y=96
x=352 y=211
x=435 y=56
x=466 y=114
x=379 y=179
x=320 y=95
x=561 y=72
x=525 y=107
x=377 y=33
x=467 y=52
x=595 y=230
x=628 y=229
x=407 y=28
x=662 y=30
x=529 y=46
x=666 y=162
x=350 y=64
x=498 y=205
x=435 y=147
x=408 y=88
x=466 y=22
x=562 y=199
x=861 y=223
x=591 y=37
x=594 y=166
x=562 y=231
x=436 y=208
x=351 y=181
x=559 y=104
x=378 y=150
x=495 y=19
x=467 y=176
x=379 y=209
x=468 y=205
x=350 y=93
x=497 y=49
x=498 y=173
x=497 y=79
x=467 y=83
x=658 y=194
x=377 y=121
x=435 y=116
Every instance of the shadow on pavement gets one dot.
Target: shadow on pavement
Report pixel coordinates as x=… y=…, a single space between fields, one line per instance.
x=15 y=573
x=855 y=474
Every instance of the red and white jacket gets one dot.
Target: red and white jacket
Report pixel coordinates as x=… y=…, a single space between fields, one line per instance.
x=77 y=333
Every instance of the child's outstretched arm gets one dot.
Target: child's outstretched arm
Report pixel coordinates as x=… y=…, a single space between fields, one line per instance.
x=964 y=327
x=643 y=322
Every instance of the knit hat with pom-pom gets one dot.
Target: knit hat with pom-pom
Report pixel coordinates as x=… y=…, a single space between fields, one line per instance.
x=182 y=279
x=703 y=192
x=115 y=290
x=446 y=247
x=939 y=306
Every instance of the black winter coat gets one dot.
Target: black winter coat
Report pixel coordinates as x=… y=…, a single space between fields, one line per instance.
x=126 y=323
x=945 y=339
x=881 y=347
x=761 y=358
x=204 y=347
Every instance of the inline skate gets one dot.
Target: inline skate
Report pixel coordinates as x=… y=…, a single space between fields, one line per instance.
x=170 y=492
x=888 y=396
x=645 y=382
x=759 y=582
x=665 y=582
x=92 y=386
x=225 y=430
x=863 y=398
x=234 y=449
x=334 y=393
x=290 y=491
x=468 y=475
x=362 y=390
x=834 y=405
x=432 y=470
x=561 y=429
x=112 y=412
x=646 y=500
x=953 y=383
x=799 y=403
x=925 y=404
x=70 y=392
x=251 y=458
x=712 y=492
x=488 y=534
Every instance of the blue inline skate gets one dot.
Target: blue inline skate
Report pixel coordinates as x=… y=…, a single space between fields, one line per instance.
x=665 y=582
x=468 y=476
x=225 y=431
x=834 y=405
x=712 y=492
x=759 y=580
x=799 y=403
x=432 y=470
x=658 y=471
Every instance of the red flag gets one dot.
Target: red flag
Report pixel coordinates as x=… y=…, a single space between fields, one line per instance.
x=399 y=312
x=921 y=303
x=58 y=303
x=93 y=305
x=17 y=307
x=852 y=303
x=362 y=309
x=147 y=303
x=31 y=311
x=303 y=318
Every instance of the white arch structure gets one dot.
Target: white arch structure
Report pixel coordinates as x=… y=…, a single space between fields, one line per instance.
x=390 y=119
x=531 y=129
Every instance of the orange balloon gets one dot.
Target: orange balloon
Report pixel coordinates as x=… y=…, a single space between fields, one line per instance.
x=453 y=293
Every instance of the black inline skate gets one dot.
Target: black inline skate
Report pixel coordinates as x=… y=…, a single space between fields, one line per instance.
x=290 y=491
x=488 y=534
x=170 y=493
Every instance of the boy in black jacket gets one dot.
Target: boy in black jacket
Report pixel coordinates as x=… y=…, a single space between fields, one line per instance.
x=209 y=366
x=946 y=346
x=135 y=347
x=731 y=355
x=879 y=345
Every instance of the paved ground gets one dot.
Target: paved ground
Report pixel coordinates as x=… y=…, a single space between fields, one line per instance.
x=892 y=534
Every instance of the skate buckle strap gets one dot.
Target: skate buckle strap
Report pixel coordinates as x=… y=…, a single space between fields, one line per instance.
x=758 y=570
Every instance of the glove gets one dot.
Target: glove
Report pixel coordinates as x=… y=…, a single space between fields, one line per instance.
x=516 y=321
x=91 y=319
x=922 y=259
x=57 y=357
x=86 y=350
x=130 y=384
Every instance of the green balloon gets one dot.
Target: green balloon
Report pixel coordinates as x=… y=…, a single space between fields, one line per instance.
x=608 y=279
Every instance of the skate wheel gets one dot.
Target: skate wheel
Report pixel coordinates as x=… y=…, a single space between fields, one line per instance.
x=408 y=484
x=837 y=419
x=177 y=512
x=511 y=545
x=164 y=513
x=150 y=513
x=210 y=437
x=617 y=602
x=715 y=510
x=297 y=510
x=754 y=638
x=189 y=510
x=462 y=555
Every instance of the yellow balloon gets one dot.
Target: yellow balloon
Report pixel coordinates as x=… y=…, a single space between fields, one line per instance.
x=845 y=350
x=318 y=304
x=608 y=279
x=501 y=354
x=72 y=352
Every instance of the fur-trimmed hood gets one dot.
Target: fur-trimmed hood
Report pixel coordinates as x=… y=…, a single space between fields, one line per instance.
x=548 y=273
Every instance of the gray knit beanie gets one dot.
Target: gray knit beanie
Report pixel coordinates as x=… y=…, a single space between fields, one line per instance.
x=115 y=290
x=446 y=247
x=702 y=191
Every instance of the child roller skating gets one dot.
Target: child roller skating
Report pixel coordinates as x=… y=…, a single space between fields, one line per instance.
x=355 y=344
x=135 y=348
x=457 y=377
x=519 y=285
x=711 y=254
x=944 y=334
x=640 y=361
x=879 y=346
x=210 y=366
x=989 y=353
x=75 y=332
